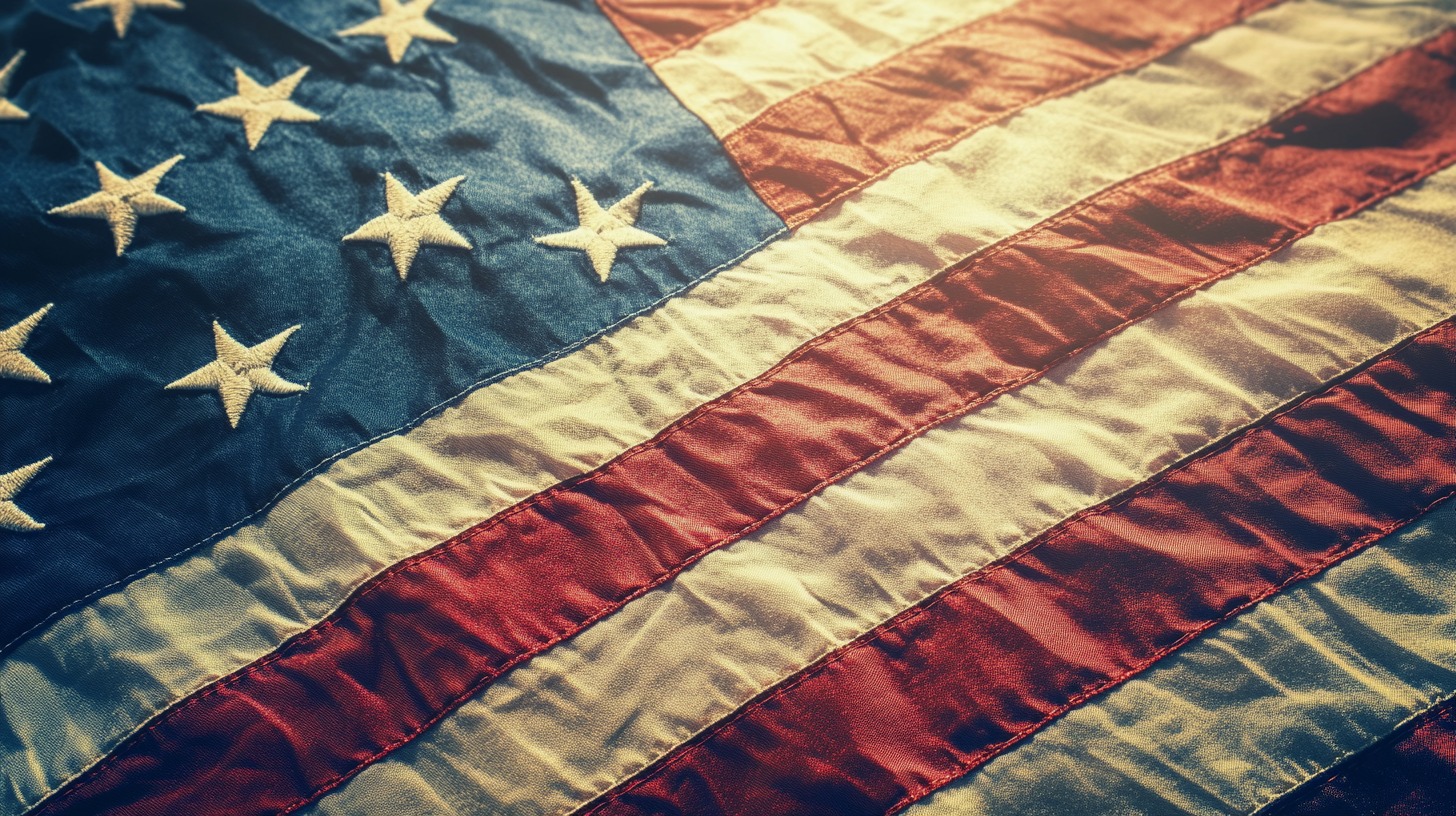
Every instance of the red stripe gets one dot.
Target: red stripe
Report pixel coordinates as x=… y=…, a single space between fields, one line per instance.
x=657 y=28
x=956 y=680
x=828 y=141
x=1413 y=773
x=435 y=629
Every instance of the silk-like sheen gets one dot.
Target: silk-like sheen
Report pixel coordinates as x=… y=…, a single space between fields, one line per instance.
x=954 y=681
x=1412 y=773
x=574 y=721
x=819 y=145
x=735 y=74
x=537 y=574
x=656 y=29
x=179 y=628
x=1253 y=709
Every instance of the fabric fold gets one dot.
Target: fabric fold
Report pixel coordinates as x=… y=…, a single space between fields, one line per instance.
x=581 y=717
x=973 y=671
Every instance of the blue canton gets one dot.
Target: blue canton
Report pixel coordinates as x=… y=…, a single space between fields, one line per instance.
x=531 y=95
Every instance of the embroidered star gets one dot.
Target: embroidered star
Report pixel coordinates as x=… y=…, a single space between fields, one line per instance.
x=602 y=232
x=8 y=109
x=241 y=370
x=399 y=23
x=122 y=201
x=11 y=516
x=123 y=10
x=412 y=220
x=259 y=106
x=13 y=362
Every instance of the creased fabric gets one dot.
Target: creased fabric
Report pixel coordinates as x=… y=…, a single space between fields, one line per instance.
x=977 y=668
x=733 y=74
x=435 y=506
x=259 y=248
x=1409 y=773
x=678 y=659
x=813 y=148
x=586 y=547
x=1271 y=700
x=174 y=629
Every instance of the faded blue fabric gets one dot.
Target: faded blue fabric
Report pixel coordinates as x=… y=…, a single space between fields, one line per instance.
x=534 y=92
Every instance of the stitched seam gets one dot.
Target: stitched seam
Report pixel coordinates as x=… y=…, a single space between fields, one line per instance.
x=444 y=548
x=1389 y=52
x=540 y=361
x=1208 y=449
x=913 y=614
x=455 y=541
x=898 y=53
x=93 y=763
x=714 y=29
x=959 y=269
x=793 y=219
x=617 y=17
x=1385 y=55
x=1358 y=545
x=1063 y=529
x=425 y=415
x=1433 y=712
x=883 y=66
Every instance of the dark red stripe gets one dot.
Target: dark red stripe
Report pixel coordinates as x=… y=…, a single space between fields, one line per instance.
x=658 y=28
x=1412 y=773
x=436 y=628
x=828 y=141
x=955 y=680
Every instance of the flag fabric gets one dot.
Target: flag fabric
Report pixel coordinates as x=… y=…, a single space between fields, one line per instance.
x=727 y=407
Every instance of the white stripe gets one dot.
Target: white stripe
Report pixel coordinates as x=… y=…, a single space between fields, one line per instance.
x=732 y=75
x=577 y=719
x=1263 y=704
x=173 y=630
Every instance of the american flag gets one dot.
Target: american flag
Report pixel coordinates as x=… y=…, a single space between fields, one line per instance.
x=727 y=407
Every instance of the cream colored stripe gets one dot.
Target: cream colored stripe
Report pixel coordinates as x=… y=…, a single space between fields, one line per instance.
x=577 y=719
x=175 y=629
x=1264 y=703
x=733 y=74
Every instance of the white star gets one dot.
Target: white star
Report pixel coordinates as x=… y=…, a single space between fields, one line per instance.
x=13 y=362
x=399 y=24
x=123 y=10
x=603 y=232
x=258 y=106
x=11 y=516
x=122 y=201
x=412 y=220
x=8 y=109
x=240 y=370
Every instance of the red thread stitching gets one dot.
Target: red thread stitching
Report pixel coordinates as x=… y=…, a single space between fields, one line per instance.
x=88 y=778
x=913 y=615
